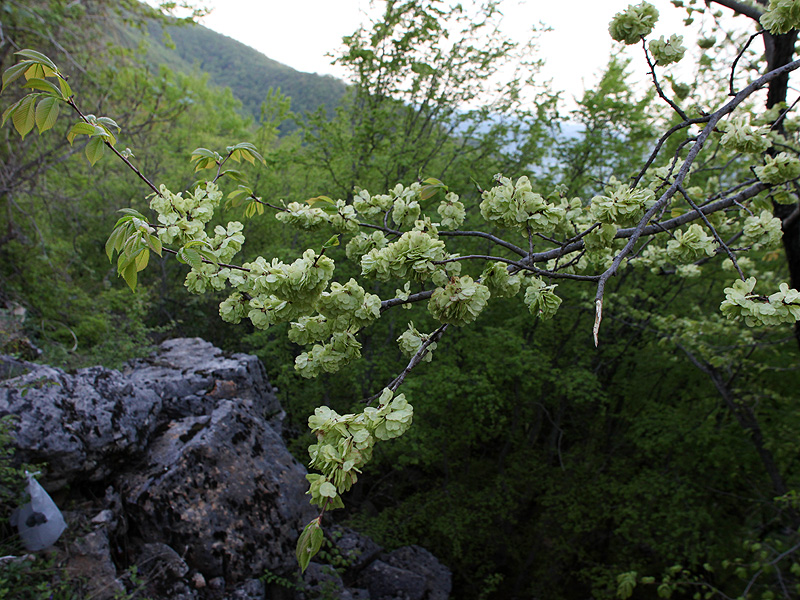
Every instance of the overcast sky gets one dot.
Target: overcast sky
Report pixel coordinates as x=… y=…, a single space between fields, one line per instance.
x=300 y=33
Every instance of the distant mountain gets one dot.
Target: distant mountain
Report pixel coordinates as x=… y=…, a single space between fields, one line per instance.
x=246 y=71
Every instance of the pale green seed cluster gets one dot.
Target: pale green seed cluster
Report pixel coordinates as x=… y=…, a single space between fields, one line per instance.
x=501 y=285
x=622 y=205
x=515 y=205
x=412 y=340
x=345 y=443
x=184 y=217
x=632 y=24
x=690 y=245
x=369 y=206
x=409 y=258
x=303 y=216
x=740 y=136
x=763 y=231
x=779 y=169
x=741 y=303
x=667 y=51
x=540 y=299
x=451 y=211
x=362 y=243
x=405 y=207
x=459 y=302
x=781 y=16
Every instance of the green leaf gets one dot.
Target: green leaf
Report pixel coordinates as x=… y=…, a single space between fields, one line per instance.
x=37 y=57
x=82 y=128
x=205 y=163
x=203 y=152
x=66 y=90
x=43 y=85
x=114 y=242
x=234 y=174
x=154 y=243
x=46 y=114
x=95 y=149
x=24 y=117
x=15 y=72
x=37 y=71
x=191 y=257
x=334 y=241
x=142 y=258
x=309 y=543
x=108 y=122
x=129 y=275
x=320 y=199
x=10 y=110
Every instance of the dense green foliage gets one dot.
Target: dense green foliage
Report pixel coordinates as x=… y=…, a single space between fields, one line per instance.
x=661 y=463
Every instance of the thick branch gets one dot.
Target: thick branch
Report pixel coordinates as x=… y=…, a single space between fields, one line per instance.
x=740 y=8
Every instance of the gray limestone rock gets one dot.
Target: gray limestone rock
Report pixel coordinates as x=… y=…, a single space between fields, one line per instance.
x=85 y=426
x=223 y=490
x=386 y=582
x=438 y=579
x=192 y=376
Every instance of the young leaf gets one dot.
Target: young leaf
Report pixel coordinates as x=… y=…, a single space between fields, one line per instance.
x=309 y=543
x=37 y=71
x=15 y=72
x=10 y=110
x=81 y=128
x=95 y=149
x=334 y=241
x=24 y=116
x=114 y=242
x=154 y=243
x=43 y=85
x=129 y=275
x=66 y=90
x=142 y=258
x=46 y=114
x=107 y=123
x=320 y=199
x=38 y=57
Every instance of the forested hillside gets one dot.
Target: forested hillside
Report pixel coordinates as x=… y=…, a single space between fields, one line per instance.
x=596 y=372
x=247 y=72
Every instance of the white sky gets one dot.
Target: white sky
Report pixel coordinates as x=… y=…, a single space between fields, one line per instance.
x=300 y=33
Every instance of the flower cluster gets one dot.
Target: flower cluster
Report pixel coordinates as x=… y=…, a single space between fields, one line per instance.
x=622 y=206
x=763 y=231
x=501 y=285
x=409 y=258
x=303 y=216
x=183 y=219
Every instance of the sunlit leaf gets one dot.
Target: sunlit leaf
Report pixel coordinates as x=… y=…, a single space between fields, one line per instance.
x=24 y=117
x=46 y=114
x=94 y=150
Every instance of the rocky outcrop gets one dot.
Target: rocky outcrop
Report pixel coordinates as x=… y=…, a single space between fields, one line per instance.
x=85 y=426
x=179 y=469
